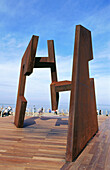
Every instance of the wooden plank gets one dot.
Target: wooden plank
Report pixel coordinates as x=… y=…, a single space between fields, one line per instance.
x=30 y=148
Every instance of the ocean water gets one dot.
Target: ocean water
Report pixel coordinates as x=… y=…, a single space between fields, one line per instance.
x=62 y=107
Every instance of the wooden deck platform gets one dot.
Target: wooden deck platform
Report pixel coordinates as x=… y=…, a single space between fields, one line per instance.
x=41 y=145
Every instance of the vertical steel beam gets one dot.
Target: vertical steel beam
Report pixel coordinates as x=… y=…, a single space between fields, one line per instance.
x=51 y=55
x=27 y=66
x=82 y=114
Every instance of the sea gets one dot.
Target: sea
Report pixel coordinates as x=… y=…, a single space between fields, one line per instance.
x=63 y=108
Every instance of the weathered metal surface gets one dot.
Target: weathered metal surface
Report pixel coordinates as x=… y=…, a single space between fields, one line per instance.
x=58 y=87
x=29 y=61
x=49 y=62
x=82 y=114
x=27 y=65
x=29 y=56
x=62 y=85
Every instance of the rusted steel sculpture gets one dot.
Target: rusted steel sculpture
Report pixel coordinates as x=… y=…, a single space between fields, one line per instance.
x=26 y=69
x=82 y=114
x=58 y=87
x=29 y=61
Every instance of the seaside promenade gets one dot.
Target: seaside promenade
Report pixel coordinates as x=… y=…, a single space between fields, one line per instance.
x=41 y=144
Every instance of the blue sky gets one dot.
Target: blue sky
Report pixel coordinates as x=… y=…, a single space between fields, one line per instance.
x=56 y=20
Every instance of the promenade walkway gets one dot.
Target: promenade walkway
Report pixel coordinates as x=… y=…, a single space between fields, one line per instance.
x=41 y=144
x=96 y=155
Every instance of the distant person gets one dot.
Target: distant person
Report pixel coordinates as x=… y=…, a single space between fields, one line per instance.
x=41 y=110
x=106 y=113
x=49 y=110
x=9 y=110
x=99 y=112
x=34 y=109
x=55 y=112
x=5 y=113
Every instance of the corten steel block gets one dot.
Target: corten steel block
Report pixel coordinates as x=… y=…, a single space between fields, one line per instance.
x=27 y=65
x=29 y=56
x=62 y=86
x=49 y=62
x=21 y=109
x=29 y=61
x=82 y=114
x=58 y=87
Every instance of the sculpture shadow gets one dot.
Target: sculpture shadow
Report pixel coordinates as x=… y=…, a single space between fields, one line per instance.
x=31 y=121
x=58 y=122
x=61 y=122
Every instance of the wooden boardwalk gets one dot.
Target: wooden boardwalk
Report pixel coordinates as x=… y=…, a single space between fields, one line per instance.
x=96 y=155
x=41 y=145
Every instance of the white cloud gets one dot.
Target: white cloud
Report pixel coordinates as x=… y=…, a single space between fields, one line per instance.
x=8 y=82
x=38 y=83
x=98 y=20
x=102 y=90
x=104 y=53
x=23 y=18
x=11 y=49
